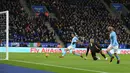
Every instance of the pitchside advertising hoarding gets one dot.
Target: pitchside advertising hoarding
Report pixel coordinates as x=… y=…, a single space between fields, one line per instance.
x=52 y=50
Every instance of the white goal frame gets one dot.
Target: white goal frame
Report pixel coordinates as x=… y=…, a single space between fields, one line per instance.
x=7 y=33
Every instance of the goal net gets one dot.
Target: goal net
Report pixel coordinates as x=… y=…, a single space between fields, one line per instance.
x=4 y=35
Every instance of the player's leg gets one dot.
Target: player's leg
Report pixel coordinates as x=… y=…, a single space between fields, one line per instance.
x=94 y=55
x=116 y=55
x=77 y=54
x=102 y=53
x=109 y=53
x=64 y=52
x=72 y=47
x=85 y=58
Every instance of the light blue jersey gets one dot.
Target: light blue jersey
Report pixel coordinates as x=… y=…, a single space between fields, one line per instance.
x=73 y=42
x=113 y=39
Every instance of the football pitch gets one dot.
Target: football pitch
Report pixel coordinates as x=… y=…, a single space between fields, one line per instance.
x=69 y=64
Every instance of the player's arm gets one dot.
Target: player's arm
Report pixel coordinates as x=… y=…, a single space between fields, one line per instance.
x=79 y=42
x=98 y=46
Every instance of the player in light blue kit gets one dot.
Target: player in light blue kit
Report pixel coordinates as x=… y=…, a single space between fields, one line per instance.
x=113 y=45
x=72 y=46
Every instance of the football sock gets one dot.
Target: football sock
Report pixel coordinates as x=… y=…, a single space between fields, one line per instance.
x=117 y=57
x=103 y=55
x=109 y=54
x=64 y=53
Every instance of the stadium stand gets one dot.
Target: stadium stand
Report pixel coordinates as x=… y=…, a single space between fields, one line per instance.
x=24 y=28
x=89 y=19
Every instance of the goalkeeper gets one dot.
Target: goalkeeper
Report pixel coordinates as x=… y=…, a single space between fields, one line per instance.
x=95 y=48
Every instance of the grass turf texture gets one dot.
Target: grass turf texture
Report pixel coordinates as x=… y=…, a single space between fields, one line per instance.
x=75 y=63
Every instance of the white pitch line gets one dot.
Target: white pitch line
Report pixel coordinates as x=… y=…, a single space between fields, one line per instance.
x=96 y=71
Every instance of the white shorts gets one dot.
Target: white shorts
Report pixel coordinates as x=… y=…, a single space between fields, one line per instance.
x=70 y=47
x=115 y=48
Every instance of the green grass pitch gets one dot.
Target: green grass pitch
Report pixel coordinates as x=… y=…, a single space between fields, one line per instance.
x=69 y=64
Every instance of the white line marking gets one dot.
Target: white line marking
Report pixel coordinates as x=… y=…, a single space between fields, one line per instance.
x=96 y=71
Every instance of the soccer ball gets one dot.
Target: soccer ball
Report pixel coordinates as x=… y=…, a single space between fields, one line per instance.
x=47 y=55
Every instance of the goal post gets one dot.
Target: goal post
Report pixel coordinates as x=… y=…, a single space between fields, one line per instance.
x=7 y=35
x=4 y=35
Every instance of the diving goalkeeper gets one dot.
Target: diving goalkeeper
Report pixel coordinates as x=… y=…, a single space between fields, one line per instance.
x=95 y=48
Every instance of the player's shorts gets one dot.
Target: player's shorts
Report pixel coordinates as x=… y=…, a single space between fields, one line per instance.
x=70 y=47
x=115 y=48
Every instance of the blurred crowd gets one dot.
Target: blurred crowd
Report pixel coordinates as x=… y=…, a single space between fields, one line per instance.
x=126 y=20
x=88 y=18
x=25 y=28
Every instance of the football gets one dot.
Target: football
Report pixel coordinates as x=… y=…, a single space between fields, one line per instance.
x=47 y=55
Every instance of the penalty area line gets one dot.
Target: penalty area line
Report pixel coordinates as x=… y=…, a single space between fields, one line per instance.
x=96 y=71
